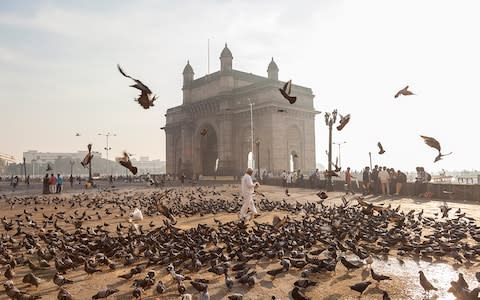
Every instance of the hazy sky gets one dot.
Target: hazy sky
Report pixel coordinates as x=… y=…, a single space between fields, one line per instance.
x=58 y=74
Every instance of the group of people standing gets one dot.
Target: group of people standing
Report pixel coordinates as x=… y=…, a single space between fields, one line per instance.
x=384 y=181
x=52 y=184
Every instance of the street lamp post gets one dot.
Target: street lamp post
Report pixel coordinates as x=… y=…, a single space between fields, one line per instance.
x=329 y=121
x=251 y=130
x=71 y=168
x=107 y=135
x=25 y=170
x=339 y=152
x=258 y=158
x=370 y=155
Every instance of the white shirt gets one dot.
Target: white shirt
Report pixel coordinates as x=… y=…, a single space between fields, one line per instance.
x=383 y=176
x=247 y=185
x=289 y=178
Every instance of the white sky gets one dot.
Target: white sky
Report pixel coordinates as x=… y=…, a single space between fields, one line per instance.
x=58 y=74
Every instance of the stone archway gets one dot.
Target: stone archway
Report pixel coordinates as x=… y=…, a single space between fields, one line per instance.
x=294 y=148
x=294 y=161
x=208 y=151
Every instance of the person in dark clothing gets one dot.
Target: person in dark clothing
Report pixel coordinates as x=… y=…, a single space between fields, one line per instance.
x=401 y=181
x=46 y=182
x=366 y=181
x=71 y=181
x=376 y=182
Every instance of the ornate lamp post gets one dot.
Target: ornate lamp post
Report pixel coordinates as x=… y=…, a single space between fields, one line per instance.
x=330 y=119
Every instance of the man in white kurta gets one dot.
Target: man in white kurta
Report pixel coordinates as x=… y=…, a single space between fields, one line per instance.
x=248 y=189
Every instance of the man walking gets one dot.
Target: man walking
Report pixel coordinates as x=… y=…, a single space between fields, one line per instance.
x=248 y=189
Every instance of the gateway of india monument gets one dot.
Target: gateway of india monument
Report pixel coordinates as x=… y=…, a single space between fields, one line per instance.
x=211 y=132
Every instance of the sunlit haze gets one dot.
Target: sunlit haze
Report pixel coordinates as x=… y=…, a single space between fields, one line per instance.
x=58 y=71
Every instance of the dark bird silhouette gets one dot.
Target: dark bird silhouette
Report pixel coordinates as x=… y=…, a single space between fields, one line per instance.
x=104 y=293
x=160 y=288
x=385 y=296
x=360 y=287
x=145 y=99
x=9 y=273
x=89 y=269
x=348 y=265
x=379 y=277
x=461 y=281
x=322 y=195
x=430 y=141
x=60 y=280
x=304 y=283
x=297 y=294
x=343 y=121
x=235 y=297
x=31 y=279
x=204 y=131
x=404 y=92
x=199 y=286
x=49 y=168
x=88 y=158
x=77 y=134
x=381 y=151
x=63 y=294
x=286 y=90
x=275 y=272
x=427 y=286
x=127 y=163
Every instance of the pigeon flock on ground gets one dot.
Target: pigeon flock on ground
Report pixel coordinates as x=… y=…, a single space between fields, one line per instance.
x=313 y=239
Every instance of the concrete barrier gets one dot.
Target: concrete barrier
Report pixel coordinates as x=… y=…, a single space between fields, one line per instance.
x=447 y=191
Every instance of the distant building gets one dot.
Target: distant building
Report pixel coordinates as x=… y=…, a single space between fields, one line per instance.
x=145 y=165
x=50 y=157
x=211 y=130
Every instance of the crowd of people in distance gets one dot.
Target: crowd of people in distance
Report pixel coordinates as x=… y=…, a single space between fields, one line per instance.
x=387 y=181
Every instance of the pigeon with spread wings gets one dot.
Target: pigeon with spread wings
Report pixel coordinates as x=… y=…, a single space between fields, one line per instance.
x=88 y=158
x=404 y=92
x=125 y=161
x=145 y=99
x=286 y=90
x=381 y=151
x=343 y=121
x=204 y=131
x=434 y=144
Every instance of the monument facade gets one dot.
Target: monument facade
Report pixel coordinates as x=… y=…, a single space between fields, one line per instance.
x=211 y=132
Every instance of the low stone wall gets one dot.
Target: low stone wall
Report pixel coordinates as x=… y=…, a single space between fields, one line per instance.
x=470 y=192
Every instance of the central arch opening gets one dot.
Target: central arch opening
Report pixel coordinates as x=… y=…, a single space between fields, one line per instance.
x=209 y=151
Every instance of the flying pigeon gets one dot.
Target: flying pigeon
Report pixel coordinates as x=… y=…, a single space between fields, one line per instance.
x=145 y=99
x=434 y=144
x=286 y=90
x=381 y=148
x=404 y=92
x=49 y=168
x=125 y=161
x=343 y=121
x=204 y=131
x=77 y=134
x=88 y=158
